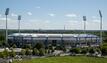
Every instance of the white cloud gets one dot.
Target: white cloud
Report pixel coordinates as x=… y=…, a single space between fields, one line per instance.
x=47 y=21
x=96 y=20
x=29 y=13
x=12 y=24
x=47 y=24
x=71 y=15
x=94 y=17
x=73 y=24
x=51 y=14
x=3 y=19
x=38 y=7
x=13 y=14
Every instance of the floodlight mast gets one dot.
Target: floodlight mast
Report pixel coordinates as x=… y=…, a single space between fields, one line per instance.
x=19 y=18
x=100 y=26
x=6 y=13
x=84 y=19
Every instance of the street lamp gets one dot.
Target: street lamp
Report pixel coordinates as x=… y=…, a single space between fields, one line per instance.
x=84 y=19
x=6 y=13
x=100 y=26
x=19 y=18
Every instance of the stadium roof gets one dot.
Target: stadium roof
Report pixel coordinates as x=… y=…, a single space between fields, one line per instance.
x=51 y=35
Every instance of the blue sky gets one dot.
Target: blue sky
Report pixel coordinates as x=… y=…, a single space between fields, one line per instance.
x=53 y=14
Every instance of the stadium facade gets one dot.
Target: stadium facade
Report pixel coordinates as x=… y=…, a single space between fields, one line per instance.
x=67 y=40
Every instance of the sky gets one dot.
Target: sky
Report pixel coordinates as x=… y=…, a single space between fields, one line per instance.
x=54 y=14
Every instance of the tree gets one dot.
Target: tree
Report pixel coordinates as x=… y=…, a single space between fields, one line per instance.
x=84 y=50
x=28 y=51
x=1 y=54
x=12 y=53
x=41 y=52
x=51 y=49
x=14 y=46
x=64 y=49
x=23 y=52
x=5 y=53
x=58 y=48
x=35 y=51
x=91 y=50
x=2 y=37
x=104 y=50
x=39 y=46
x=6 y=44
x=27 y=46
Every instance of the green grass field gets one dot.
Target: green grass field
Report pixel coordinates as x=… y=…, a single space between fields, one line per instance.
x=65 y=59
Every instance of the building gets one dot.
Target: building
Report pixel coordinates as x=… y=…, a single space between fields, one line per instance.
x=67 y=40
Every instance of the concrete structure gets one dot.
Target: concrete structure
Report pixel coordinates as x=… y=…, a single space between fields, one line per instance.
x=68 y=40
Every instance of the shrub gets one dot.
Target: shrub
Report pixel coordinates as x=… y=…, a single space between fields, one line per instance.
x=75 y=50
x=84 y=50
x=92 y=50
x=104 y=50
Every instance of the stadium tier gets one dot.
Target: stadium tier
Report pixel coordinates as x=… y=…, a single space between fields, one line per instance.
x=67 y=40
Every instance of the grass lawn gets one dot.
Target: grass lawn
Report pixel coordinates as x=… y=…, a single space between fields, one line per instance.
x=65 y=59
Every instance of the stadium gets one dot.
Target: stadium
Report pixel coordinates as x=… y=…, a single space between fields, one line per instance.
x=67 y=40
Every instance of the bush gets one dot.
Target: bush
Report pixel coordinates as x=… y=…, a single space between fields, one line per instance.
x=104 y=50
x=92 y=50
x=75 y=50
x=84 y=50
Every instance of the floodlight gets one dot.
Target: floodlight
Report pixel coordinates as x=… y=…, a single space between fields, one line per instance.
x=7 y=11
x=84 y=18
x=100 y=13
x=19 y=17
